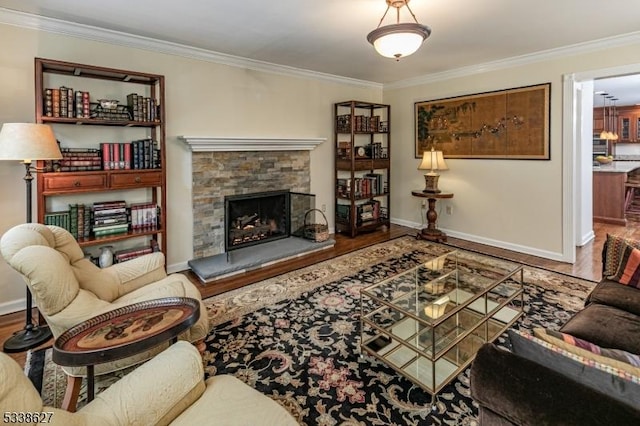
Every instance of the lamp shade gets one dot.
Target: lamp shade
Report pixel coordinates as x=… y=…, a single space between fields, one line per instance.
x=28 y=141
x=398 y=40
x=433 y=160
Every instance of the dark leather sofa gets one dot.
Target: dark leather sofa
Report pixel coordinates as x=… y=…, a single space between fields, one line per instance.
x=513 y=390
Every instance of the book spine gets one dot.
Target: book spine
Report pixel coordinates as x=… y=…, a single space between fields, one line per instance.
x=127 y=155
x=70 y=103
x=101 y=233
x=86 y=105
x=48 y=102
x=107 y=211
x=55 y=96
x=110 y=204
x=63 y=101
x=106 y=161
x=115 y=152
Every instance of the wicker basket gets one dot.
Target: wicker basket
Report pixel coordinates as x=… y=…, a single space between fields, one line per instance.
x=317 y=232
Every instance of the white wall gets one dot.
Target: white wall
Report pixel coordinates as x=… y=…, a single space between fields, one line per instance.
x=515 y=204
x=202 y=99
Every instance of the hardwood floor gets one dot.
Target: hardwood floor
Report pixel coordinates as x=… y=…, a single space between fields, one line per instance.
x=587 y=265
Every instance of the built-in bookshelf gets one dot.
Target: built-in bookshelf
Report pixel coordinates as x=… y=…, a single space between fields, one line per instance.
x=362 y=166
x=110 y=125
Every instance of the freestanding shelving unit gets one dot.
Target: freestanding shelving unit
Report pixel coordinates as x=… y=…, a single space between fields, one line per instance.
x=97 y=125
x=362 y=166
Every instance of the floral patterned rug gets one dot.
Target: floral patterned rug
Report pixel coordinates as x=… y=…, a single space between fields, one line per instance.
x=296 y=338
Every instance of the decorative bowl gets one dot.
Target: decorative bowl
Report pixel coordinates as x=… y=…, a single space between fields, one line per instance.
x=604 y=160
x=108 y=103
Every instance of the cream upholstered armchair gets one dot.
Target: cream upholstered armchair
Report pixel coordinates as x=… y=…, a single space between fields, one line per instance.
x=68 y=289
x=168 y=389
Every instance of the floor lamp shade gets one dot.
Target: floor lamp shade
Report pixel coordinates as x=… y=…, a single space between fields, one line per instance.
x=28 y=142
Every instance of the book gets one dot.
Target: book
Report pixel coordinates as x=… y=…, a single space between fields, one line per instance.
x=106 y=159
x=55 y=102
x=48 y=102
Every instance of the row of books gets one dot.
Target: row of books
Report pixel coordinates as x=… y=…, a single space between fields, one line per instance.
x=76 y=160
x=65 y=102
x=105 y=218
x=362 y=123
x=142 y=108
x=366 y=213
x=369 y=185
x=110 y=217
x=138 y=154
x=131 y=253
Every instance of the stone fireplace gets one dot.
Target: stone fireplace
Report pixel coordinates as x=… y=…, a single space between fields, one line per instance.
x=228 y=167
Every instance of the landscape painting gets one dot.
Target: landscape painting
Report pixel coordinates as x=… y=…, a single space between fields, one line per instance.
x=505 y=124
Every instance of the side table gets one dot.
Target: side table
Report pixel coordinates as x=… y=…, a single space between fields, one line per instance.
x=120 y=333
x=431 y=233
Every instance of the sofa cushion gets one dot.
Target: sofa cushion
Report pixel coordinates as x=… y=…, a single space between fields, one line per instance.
x=628 y=272
x=606 y=326
x=611 y=381
x=612 y=252
x=615 y=357
x=611 y=293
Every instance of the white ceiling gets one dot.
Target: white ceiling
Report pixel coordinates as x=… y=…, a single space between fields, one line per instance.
x=329 y=36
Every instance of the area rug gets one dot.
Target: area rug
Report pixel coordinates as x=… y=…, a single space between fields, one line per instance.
x=296 y=339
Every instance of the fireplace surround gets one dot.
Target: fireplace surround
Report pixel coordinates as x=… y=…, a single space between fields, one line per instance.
x=234 y=166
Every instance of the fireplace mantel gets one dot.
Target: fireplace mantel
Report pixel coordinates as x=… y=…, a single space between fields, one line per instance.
x=207 y=144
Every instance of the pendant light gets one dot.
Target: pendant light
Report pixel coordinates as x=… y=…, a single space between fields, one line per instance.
x=614 y=120
x=400 y=39
x=604 y=134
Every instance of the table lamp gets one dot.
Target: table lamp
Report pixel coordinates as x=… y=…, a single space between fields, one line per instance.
x=432 y=161
x=27 y=142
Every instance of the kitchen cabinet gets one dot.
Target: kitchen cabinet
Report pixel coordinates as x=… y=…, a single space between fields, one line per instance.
x=629 y=125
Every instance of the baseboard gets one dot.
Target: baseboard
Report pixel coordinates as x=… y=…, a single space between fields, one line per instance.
x=13 y=306
x=590 y=236
x=488 y=241
x=178 y=267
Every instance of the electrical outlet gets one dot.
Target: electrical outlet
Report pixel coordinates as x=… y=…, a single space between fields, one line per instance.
x=424 y=204
x=324 y=208
x=448 y=210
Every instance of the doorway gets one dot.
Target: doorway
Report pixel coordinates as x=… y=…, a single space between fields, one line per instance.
x=578 y=95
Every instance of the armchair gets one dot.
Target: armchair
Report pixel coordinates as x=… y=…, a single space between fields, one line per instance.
x=168 y=389
x=68 y=289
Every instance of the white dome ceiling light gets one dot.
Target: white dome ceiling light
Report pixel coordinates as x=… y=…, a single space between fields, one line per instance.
x=398 y=40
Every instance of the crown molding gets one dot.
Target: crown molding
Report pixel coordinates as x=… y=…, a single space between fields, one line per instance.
x=57 y=26
x=574 y=49
x=87 y=32
x=206 y=144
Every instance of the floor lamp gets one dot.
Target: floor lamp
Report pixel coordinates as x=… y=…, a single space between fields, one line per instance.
x=27 y=142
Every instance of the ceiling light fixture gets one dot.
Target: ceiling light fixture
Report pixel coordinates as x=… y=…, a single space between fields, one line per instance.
x=398 y=40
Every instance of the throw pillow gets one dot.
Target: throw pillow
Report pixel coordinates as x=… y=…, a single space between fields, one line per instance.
x=614 y=247
x=614 y=357
x=628 y=272
x=604 y=378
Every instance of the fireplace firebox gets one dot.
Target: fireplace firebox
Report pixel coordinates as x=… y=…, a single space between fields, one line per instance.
x=256 y=218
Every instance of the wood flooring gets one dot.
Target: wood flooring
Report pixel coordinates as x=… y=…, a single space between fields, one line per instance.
x=587 y=265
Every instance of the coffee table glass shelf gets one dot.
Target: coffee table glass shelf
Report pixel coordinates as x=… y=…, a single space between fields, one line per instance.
x=428 y=323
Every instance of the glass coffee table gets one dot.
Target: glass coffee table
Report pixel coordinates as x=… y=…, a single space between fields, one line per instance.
x=428 y=323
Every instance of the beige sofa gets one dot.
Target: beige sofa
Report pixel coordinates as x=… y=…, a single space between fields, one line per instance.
x=168 y=389
x=69 y=289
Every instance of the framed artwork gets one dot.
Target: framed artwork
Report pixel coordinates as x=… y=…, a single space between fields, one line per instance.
x=505 y=124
